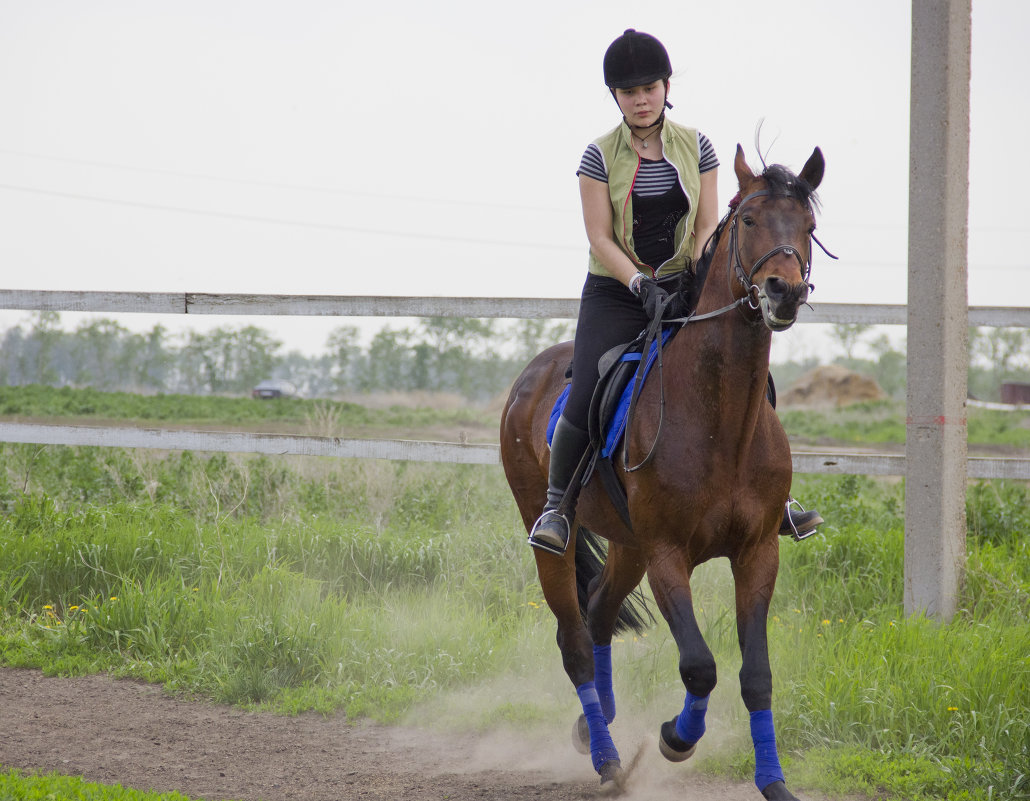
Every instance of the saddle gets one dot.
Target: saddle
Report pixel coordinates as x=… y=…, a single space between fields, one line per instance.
x=609 y=406
x=610 y=409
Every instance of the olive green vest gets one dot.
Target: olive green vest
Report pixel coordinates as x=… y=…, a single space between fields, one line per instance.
x=679 y=144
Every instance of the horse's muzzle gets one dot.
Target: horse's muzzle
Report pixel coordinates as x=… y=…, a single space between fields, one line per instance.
x=780 y=302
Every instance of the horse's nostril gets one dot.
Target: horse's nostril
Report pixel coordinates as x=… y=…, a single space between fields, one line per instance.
x=776 y=288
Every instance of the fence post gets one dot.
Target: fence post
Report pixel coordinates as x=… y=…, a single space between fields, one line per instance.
x=935 y=450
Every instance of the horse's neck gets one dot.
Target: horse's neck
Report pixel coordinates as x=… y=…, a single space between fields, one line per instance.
x=730 y=351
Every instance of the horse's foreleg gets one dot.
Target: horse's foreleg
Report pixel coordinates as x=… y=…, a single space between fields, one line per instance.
x=558 y=581
x=670 y=581
x=623 y=570
x=755 y=579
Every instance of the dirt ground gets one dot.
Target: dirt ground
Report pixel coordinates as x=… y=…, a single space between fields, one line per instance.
x=134 y=734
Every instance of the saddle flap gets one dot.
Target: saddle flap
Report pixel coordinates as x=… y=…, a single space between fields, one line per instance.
x=610 y=401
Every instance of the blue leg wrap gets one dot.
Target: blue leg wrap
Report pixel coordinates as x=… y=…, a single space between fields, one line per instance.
x=602 y=749
x=690 y=725
x=767 y=761
x=603 y=680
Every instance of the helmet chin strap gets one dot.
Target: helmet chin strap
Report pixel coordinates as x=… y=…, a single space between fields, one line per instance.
x=659 y=121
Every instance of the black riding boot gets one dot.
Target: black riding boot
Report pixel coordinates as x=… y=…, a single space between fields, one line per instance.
x=551 y=530
x=799 y=524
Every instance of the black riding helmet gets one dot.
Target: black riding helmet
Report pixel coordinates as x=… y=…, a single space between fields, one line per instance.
x=635 y=59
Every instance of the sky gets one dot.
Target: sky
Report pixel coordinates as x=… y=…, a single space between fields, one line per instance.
x=413 y=148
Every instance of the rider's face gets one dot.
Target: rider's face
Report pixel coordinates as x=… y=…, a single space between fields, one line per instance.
x=642 y=105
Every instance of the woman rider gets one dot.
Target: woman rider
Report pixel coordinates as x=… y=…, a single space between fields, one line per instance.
x=650 y=202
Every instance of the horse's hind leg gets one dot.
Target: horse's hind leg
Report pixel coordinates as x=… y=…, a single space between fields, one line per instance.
x=558 y=581
x=670 y=582
x=754 y=578
x=623 y=570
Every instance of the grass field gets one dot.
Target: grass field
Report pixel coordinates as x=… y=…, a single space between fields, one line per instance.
x=17 y=786
x=399 y=590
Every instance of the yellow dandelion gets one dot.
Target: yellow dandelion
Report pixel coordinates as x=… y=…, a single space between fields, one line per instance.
x=776 y=618
x=891 y=624
x=114 y=597
x=826 y=622
x=73 y=609
x=840 y=620
x=47 y=606
x=953 y=709
x=534 y=604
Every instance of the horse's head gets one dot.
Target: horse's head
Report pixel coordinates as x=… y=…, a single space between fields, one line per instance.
x=771 y=237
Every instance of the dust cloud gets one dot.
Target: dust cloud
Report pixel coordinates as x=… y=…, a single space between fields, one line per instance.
x=545 y=747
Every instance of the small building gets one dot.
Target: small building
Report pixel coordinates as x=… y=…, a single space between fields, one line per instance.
x=1015 y=393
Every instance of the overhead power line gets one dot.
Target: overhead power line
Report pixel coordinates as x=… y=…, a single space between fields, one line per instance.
x=253 y=218
x=436 y=201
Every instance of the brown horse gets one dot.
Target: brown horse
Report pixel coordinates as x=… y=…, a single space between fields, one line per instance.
x=715 y=483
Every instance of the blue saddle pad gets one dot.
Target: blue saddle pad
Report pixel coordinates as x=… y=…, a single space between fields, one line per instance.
x=559 y=406
x=615 y=427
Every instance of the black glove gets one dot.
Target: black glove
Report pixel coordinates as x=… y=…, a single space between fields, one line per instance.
x=652 y=296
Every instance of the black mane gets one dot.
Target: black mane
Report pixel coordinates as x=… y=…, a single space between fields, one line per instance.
x=781 y=182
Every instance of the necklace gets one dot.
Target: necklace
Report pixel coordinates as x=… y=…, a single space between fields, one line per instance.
x=643 y=139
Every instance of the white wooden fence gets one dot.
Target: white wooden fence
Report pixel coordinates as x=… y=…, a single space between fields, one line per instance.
x=454 y=452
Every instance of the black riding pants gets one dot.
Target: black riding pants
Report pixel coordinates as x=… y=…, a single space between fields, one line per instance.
x=609 y=315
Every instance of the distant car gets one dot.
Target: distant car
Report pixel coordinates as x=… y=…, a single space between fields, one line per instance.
x=274 y=388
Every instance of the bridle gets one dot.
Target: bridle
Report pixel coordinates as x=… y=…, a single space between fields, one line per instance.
x=736 y=265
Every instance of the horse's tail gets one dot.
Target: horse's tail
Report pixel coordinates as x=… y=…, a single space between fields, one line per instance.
x=590 y=552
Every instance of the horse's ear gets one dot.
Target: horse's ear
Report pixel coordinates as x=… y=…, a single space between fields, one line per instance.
x=741 y=168
x=812 y=173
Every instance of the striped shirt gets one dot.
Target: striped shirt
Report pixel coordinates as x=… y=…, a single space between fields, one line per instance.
x=654 y=177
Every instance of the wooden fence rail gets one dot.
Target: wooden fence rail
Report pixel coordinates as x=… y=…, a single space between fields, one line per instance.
x=391 y=306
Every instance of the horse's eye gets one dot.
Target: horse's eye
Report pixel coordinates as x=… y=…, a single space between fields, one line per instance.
x=749 y=220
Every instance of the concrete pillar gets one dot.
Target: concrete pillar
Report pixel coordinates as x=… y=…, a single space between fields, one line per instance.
x=935 y=521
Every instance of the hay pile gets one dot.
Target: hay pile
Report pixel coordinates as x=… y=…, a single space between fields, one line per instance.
x=831 y=386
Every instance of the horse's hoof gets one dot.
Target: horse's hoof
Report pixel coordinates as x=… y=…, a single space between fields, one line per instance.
x=612 y=776
x=673 y=748
x=581 y=735
x=777 y=791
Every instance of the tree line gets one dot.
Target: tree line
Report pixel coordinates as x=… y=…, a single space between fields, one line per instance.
x=475 y=358
x=996 y=356
x=462 y=356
